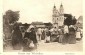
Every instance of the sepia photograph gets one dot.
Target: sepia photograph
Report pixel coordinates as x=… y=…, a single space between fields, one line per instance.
x=42 y=26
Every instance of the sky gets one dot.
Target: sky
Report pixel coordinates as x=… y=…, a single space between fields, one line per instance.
x=41 y=10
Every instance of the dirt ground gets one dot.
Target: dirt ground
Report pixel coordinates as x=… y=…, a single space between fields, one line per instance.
x=52 y=47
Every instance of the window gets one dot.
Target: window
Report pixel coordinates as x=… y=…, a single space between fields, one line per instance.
x=57 y=18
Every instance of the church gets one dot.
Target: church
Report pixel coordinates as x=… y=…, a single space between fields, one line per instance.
x=58 y=16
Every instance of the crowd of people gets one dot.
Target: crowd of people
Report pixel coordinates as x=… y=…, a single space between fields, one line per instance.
x=30 y=38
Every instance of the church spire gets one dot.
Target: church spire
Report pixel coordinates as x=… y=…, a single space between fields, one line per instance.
x=54 y=6
x=61 y=5
x=61 y=9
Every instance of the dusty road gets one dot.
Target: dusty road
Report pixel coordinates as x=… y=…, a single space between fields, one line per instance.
x=54 y=46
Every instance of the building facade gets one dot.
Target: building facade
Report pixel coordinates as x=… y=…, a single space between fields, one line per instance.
x=38 y=24
x=58 y=16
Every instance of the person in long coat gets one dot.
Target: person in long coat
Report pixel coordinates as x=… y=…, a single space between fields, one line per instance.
x=65 y=38
x=16 y=37
x=72 y=35
x=32 y=36
x=61 y=33
x=43 y=34
x=66 y=35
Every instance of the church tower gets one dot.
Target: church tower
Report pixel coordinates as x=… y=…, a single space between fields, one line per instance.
x=58 y=16
x=61 y=19
x=55 y=16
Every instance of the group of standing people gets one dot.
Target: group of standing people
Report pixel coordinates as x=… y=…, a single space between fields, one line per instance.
x=29 y=38
x=66 y=34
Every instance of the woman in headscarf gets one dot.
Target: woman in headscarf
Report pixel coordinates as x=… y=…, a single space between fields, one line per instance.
x=66 y=29
x=72 y=36
x=32 y=35
x=31 y=38
x=65 y=36
x=26 y=40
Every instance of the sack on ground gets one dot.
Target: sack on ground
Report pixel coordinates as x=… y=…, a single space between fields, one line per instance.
x=48 y=38
x=31 y=45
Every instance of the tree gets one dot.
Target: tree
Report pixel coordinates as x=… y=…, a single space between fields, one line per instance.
x=70 y=20
x=10 y=17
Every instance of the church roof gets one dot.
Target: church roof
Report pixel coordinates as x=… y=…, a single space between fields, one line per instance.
x=80 y=19
x=37 y=23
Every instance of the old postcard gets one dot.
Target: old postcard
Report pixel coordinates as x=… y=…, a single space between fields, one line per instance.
x=42 y=27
